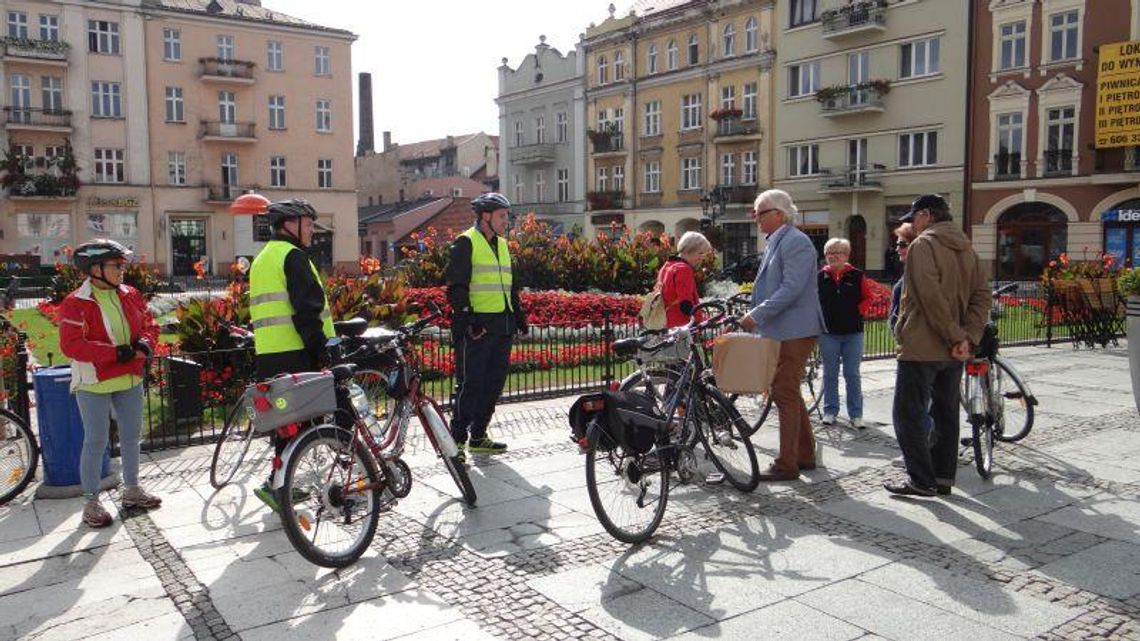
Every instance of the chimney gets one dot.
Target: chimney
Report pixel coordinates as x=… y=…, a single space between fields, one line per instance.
x=387 y=140
x=367 y=142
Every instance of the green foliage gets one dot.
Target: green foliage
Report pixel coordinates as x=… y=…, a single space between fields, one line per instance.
x=202 y=322
x=1129 y=282
x=379 y=300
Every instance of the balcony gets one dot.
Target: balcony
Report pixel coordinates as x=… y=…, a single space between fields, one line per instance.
x=550 y=209
x=226 y=193
x=24 y=119
x=608 y=143
x=604 y=200
x=1058 y=162
x=1007 y=166
x=868 y=16
x=226 y=71
x=44 y=52
x=737 y=194
x=851 y=179
x=855 y=99
x=213 y=131
x=539 y=154
x=45 y=186
x=730 y=129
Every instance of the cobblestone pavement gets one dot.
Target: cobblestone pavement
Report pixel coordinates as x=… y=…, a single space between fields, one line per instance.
x=1046 y=550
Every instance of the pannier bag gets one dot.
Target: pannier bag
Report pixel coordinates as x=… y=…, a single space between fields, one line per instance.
x=587 y=409
x=290 y=398
x=744 y=363
x=633 y=420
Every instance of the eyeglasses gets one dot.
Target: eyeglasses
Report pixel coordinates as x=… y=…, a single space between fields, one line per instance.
x=902 y=244
x=760 y=214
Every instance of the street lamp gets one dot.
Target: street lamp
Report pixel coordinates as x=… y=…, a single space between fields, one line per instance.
x=713 y=203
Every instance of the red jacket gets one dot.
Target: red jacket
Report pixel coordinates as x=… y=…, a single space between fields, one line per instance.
x=678 y=286
x=84 y=335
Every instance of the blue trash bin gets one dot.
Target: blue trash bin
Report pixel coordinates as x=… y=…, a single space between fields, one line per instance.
x=61 y=428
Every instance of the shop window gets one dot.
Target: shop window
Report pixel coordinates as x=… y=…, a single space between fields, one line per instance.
x=1122 y=232
x=1029 y=236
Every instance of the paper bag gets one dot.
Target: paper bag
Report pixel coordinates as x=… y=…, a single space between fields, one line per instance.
x=744 y=363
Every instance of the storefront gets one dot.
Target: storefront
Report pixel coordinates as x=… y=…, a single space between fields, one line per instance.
x=113 y=218
x=1122 y=232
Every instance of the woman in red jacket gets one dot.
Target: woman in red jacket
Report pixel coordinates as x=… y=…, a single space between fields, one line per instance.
x=108 y=333
x=678 y=281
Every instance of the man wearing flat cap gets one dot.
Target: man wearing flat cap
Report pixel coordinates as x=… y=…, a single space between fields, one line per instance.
x=942 y=313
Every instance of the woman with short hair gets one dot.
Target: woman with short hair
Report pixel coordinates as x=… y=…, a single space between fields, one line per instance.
x=677 y=278
x=844 y=294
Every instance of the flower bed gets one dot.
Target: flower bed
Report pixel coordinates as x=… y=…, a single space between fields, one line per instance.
x=554 y=309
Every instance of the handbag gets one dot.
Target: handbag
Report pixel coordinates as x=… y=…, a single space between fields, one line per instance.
x=744 y=363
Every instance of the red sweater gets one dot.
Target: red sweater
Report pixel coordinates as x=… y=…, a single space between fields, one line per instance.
x=85 y=336
x=678 y=286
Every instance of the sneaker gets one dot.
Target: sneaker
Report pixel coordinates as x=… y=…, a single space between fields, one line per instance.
x=135 y=496
x=94 y=515
x=829 y=419
x=268 y=497
x=486 y=446
x=461 y=455
x=858 y=423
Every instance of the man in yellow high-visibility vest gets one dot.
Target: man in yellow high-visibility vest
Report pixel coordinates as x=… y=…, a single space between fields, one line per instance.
x=287 y=304
x=484 y=297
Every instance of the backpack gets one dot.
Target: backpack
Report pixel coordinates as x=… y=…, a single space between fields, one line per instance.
x=652 y=312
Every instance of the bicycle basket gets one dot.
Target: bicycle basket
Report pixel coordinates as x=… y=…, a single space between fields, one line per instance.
x=587 y=410
x=290 y=398
x=679 y=350
x=632 y=418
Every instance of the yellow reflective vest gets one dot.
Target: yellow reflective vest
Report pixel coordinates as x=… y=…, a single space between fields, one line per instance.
x=490 y=289
x=270 y=311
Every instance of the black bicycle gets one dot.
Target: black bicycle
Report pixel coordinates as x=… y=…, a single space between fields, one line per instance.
x=19 y=450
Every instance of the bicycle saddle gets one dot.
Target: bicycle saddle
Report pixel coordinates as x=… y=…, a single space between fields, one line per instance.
x=350 y=327
x=343 y=371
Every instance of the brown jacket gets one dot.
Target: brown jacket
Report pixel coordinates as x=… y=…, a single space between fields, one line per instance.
x=945 y=296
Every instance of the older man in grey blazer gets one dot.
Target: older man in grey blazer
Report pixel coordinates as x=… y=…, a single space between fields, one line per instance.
x=785 y=306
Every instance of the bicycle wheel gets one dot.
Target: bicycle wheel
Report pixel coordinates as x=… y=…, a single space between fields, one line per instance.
x=330 y=503
x=1013 y=411
x=455 y=467
x=811 y=389
x=721 y=432
x=232 y=446
x=661 y=377
x=628 y=497
x=983 y=442
x=19 y=455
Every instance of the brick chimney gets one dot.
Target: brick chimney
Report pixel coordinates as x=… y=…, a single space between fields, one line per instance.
x=367 y=142
x=387 y=140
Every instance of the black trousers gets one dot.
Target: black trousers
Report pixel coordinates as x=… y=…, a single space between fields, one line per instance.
x=920 y=385
x=480 y=372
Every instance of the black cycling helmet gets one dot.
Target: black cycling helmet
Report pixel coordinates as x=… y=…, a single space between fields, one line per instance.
x=97 y=251
x=489 y=202
x=279 y=212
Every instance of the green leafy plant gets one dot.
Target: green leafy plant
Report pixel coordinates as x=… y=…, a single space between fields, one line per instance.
x=368 y=295
x=1128 y=282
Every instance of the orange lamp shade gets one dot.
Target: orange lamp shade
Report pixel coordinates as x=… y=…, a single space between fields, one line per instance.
x=250 y=203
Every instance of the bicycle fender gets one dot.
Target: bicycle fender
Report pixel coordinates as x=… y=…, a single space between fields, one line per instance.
x=1029 y=397
x=279 y=473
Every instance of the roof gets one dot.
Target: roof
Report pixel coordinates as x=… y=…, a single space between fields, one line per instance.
x=382 y=213
x=647 y=7
x=428 y=148
x=248 y=10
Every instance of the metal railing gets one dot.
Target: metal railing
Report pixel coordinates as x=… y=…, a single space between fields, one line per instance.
x=237 y=69
x=606 y=144
x=854 y=178
x=37 y=117
x=1058 y=162
x=736 y=127
x=859 y=17
x=1007 y=166
x=225 y=193
x=53 y=50
x=228 y=130
x=853 y=99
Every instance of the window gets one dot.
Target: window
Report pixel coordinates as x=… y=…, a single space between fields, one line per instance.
x=227 y=107
x=324 y=173
x=619 y=66
x=175 y=107
x=728 y=97
x=1009 y=137
x=540 y=186
x=540 y=129
x=109 y=166
x=619 y=178
x=277 y=171
x=172 y=45
x=1063 y=29
x=21 y=92
x=671 y=55
x=51 y=93
x=55 y=151
x=803 y=79
x=727 y=169
x=691 y=172
x=918 y=149
x=603 y=73
x=749 y=102
x=324 y=115
x=102 y=36
x=619 y=119
x=274 y=56
x=803 y=160
x=322 y=61
x=804 y=12
x=729 y=40
x=225 y=47
x=17 y=24
x=1013 y=45
x=229 y=169
x=1060 y=123
x=652 y=126
x=563 y=185
x=561 y=126
x=651 y=59
x=276 y=112
x=748 y=168
x=106 y=100
x=750 y=35
x=691 y=111
x=518 y=188
x=653 y=177
x=1029 y=235
x=603 y=119
x=175 y=168
x=603 y=181
x=49 y=27
x=858 y=67
x=694 y=50
x=919 y=58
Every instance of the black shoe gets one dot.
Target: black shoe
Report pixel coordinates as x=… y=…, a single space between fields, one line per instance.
x=944 y=490
x=908 y=489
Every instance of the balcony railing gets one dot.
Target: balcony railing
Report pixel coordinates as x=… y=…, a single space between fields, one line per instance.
x=538 y=154
x=228 y=131
x=601 y=200
x=44 y=186
x=607 y=144
x=851 y=100
x=1007 y=166
x=738 y=193
x=226 y=193
x=735 y=127
x=227 y=70
x=22 y=117
x=549 y=209
x=52 y=51
x=857 y=18
x=853 y=178
x=1058 y=162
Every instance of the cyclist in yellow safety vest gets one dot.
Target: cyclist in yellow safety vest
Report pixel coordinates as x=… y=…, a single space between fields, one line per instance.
x=287 y=305
x=484 y=296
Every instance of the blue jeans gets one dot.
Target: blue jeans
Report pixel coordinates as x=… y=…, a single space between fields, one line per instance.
x=95 y=410
x=847 y=348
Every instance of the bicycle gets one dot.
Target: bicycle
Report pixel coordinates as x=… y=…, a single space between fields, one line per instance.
x=628 y=466
x=19 y=449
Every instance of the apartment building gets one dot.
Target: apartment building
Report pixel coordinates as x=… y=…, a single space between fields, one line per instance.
x=392 y=174
x=679 y=104
x=542 y=111
x=162 y=111
x=870 y=112
x=1039 y=186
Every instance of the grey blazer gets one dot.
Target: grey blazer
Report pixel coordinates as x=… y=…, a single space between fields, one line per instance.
x=785 y=295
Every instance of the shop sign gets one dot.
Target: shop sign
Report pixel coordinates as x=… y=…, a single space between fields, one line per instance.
x=122 y=202
x=1118 y=95
x=1121 y=216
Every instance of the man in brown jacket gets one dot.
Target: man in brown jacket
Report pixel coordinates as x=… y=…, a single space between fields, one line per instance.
x=944 y=307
